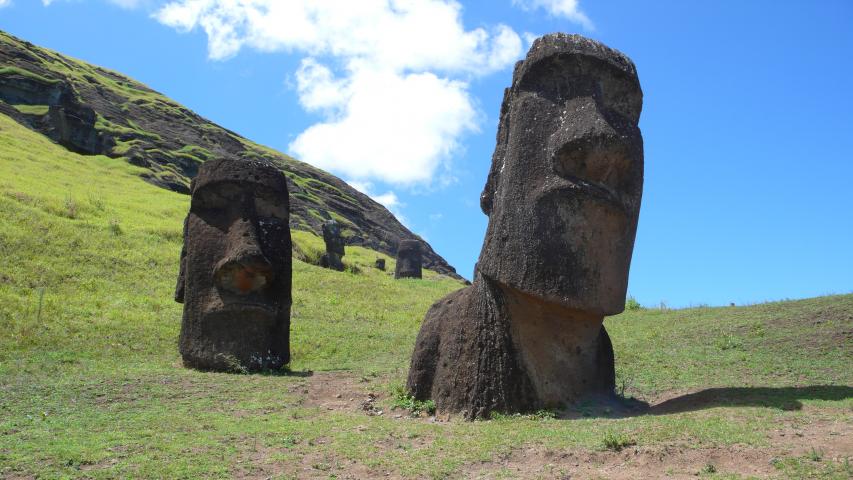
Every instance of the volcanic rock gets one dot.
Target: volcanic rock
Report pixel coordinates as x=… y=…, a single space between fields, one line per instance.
x=563 y=198
x=235 y=276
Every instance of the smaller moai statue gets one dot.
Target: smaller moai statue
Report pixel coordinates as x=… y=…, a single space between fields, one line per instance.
x=334 y=246
x=380 y=264
x=408 y=260
x=235 y=270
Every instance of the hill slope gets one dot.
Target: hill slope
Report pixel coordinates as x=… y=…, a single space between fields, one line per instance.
x=91 y=110
x=91 y=385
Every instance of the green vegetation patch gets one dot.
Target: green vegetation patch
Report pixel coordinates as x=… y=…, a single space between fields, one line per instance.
x=11 y=70
x=32 y=109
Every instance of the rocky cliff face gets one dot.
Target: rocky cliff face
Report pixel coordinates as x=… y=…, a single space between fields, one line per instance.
x=92 y=110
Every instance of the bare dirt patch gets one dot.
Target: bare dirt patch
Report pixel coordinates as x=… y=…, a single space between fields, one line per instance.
x=827 y=431
x=342 y=391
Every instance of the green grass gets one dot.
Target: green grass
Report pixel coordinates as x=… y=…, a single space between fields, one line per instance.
x=132 y=129
x=32 y=109
x=9 y=70
x=91 y=384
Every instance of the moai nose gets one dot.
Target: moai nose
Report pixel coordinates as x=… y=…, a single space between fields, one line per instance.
x=245 y=269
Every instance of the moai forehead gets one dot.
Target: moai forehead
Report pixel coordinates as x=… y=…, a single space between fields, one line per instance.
x=260 y=174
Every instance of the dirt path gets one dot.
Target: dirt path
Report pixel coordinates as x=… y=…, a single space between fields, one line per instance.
x=344 y=392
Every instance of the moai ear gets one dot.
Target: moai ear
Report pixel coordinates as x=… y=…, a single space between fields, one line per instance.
x=179 y=288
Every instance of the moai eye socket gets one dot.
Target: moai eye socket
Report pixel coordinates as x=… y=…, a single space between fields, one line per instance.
x=266 y=205
x=600 y=160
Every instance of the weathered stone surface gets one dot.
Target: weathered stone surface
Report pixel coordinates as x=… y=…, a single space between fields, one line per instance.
x=408 y=260
x=334 y=246
x=67 y=121
x=380 y=264
x=563 y=197
x=235 y=278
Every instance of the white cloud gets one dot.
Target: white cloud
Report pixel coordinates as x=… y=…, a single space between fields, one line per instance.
x=568 y=9
x=126 y=4
x=389 y=78
x=5 y=3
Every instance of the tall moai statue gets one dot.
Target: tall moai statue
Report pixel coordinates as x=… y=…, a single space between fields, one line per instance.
x=334 y=246
x=563 y=198
x=235 y=274
x=408 y=259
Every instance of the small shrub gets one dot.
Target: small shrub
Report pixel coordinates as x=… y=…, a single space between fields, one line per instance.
x=728 y=342
x=815 y=455
x=623 y=383
x=403 y=400
x=70 y=207
x=631 y=304
x=352 y=268
x=97 y=203
x=115 y=227
x=544 y=415
x=616 y=441
x=708 y=468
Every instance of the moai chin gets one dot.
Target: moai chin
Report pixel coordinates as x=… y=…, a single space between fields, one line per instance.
x=408 y=259
x=235 y=276
x=563 y=198
x=334 y=246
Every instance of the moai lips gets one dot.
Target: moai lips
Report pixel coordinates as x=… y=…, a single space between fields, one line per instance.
x=235 y=278
x=563 y=198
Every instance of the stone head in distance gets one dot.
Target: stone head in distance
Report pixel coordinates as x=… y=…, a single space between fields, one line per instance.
x=235 y=278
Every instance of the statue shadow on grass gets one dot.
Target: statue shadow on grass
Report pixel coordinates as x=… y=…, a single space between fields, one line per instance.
x=780 y=398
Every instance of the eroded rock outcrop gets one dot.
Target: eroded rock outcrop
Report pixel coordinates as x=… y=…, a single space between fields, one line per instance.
x=408 y=260
x=235 y=277
x=66 y=120
x=563 y=198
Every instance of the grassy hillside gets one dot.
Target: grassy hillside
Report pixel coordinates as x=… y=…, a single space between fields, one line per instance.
x=91 y=385
x=109 y=113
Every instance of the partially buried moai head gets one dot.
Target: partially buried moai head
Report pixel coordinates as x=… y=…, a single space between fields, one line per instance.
x=332 y=237
x=235 y=278
x=334 y=246
x=563 y=194
x=408 y=259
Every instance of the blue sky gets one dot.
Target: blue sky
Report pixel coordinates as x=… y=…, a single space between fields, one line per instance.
x=747 y=120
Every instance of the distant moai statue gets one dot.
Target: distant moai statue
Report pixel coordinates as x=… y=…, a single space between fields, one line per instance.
x=380 y=264
x=563 y=199
x=334 y=246
x=408 y=259
x=235 y=273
